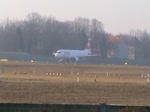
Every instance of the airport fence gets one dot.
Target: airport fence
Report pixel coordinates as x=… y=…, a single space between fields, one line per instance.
x=12 y=107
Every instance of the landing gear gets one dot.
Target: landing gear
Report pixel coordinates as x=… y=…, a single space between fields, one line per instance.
x=68 y=60
x=72 y=60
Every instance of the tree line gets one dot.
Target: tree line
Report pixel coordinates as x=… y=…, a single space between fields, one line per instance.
x=38 y=35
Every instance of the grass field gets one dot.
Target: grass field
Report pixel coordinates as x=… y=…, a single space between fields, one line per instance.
x=22 y=82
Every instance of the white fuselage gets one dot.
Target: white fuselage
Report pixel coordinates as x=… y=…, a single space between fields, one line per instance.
x=72 y=53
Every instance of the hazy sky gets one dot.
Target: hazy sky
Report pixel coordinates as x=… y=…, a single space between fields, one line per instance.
x=118 y=16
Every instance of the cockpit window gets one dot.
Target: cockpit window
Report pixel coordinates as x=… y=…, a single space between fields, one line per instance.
x=58 y=52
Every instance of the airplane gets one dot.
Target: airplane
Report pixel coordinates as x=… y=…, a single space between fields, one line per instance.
x=74 y=55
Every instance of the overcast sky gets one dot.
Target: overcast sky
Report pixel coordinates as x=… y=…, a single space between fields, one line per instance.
x=118 y=16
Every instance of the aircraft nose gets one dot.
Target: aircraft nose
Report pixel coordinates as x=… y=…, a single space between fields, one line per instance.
x=54 y=54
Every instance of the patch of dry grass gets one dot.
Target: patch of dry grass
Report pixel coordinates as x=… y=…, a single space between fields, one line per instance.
x=124 y=84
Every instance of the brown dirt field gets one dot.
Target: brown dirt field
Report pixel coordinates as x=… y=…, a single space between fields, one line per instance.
x=114 y=84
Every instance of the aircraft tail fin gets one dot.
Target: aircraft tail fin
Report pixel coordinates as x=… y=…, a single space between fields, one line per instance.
x=88 y=45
